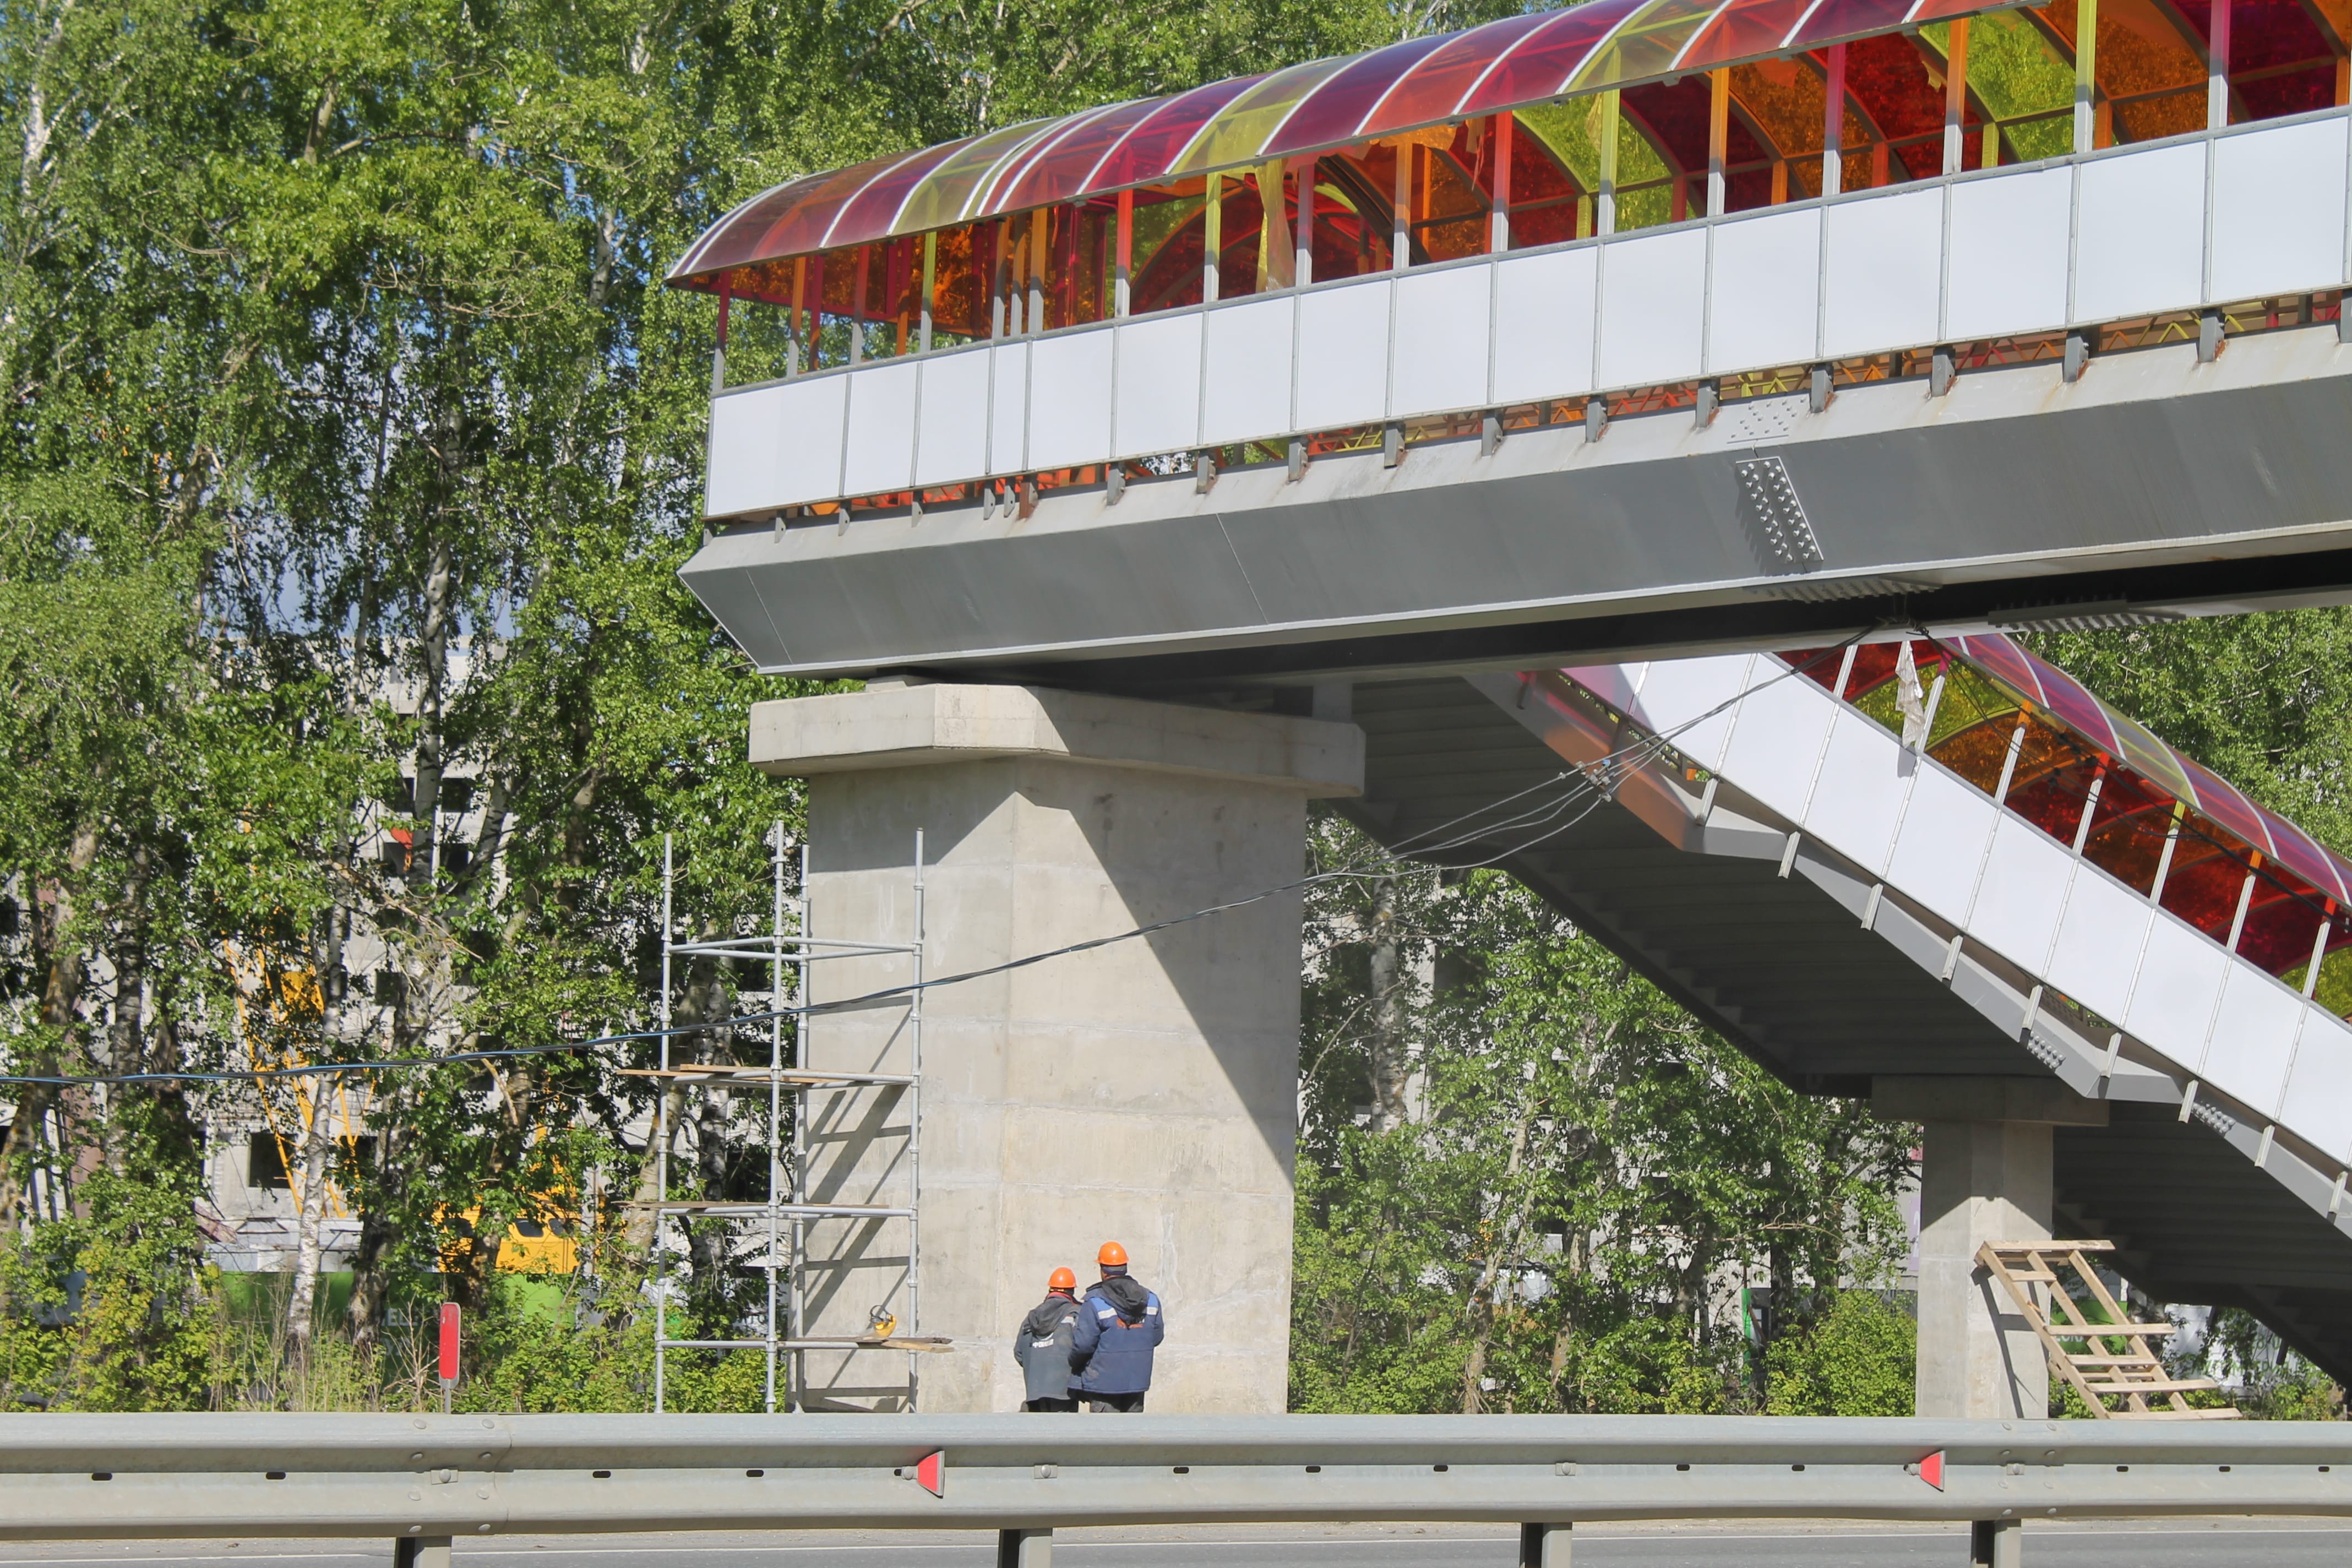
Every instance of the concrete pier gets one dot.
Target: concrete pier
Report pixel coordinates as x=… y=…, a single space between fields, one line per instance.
x=1144 y=1091
x=1985 y=1176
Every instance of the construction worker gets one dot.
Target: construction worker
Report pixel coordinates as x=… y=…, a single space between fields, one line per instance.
x=1118 y=1326
x=1043 y=1345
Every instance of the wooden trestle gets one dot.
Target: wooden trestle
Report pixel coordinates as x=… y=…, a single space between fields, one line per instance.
x=2097 y=1371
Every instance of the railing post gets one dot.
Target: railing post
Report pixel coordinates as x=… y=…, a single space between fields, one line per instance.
x=1040 y=233
x=1213 y=237
x=1126 y=251
x=421 y=1552
x=1024 y=1549
x=931 y=282
x=1833 y=124
x=2216 y=68
x=1996 y=1543
x=1604 y=202
x=1956 y=96
x=2086 y=65
x=1718 y=142
x=1498 y=224
x=1543 y=1545
x=1401 y=211
x=1302 y=265
x=718 y=349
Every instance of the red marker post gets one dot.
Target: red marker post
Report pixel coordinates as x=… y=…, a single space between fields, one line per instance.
x=449 y=1352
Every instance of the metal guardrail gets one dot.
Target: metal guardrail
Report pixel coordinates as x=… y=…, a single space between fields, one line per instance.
x=429 y=1478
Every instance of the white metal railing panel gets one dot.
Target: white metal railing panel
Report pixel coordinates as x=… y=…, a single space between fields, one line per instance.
x=1439 y=362
x=2278 y=210
x=2254 y=1037
x=1679 y=693
x=1941 y=843
x=1652 y=308
x=1544 y=306
x=1008 y=408
x=2318 y=1091
x=2017 y=901
x=1343 y=355
x=1070 y=400
x=1764 y=293
x=879 y=452
x=1157 y=386
x=1883 y=267
x=812 y=414
x=1246 y=386
x=747 y=448
x=2099 y=941
x=953 y=443
x=2008 y=243
x=2139 y=234
x=1859 y=793
x=1776 y=742
x=2179 y=975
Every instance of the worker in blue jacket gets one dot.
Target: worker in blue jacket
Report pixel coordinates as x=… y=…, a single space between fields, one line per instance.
x=1119 y=1325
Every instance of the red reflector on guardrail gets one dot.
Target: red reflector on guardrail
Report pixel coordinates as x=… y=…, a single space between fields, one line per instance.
x=931 y=1473
x=1931 y=1469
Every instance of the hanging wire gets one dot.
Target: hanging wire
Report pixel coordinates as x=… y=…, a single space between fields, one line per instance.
x=1588 y=786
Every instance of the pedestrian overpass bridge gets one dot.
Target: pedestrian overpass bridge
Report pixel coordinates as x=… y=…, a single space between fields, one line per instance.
x=1506 y=393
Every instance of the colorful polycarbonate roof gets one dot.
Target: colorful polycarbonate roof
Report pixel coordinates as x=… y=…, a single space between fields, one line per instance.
x=2059 y=695
x=1310 y=108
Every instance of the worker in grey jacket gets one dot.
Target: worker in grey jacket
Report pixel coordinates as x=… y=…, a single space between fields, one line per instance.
x=1043 y=1345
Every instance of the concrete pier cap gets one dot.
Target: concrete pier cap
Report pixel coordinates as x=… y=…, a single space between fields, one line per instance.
x=1143 y=1091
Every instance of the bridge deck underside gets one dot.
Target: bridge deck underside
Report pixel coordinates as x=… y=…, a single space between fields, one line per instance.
x=1786 y=973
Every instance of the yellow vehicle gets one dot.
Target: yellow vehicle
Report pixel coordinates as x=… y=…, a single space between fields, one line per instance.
x=528 y=1246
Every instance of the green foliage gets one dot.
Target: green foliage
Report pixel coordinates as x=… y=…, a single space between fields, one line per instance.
x=2262 y=1376
x=353 y=438
x=1859 y=1358
x=115 y=1309
x=1546 y=1217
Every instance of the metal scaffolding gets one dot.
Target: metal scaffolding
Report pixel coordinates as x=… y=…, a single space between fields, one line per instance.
x=784 y=1211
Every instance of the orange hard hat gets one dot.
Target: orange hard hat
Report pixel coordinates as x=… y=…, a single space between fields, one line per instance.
x=1063 y=1279
x=1112 y=1256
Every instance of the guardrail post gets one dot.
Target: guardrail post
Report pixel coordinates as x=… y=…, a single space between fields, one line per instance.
x=1024 y=1549
x=421 y=1552
x=1543 y=1546
x=1996 y=1543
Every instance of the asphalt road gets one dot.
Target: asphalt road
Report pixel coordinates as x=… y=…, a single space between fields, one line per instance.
x=2283 y=1543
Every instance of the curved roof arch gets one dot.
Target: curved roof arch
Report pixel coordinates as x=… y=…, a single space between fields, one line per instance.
x=1314 y=107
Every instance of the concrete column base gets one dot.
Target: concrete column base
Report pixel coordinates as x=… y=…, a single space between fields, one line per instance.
x=1544 y=1545
x=1024 y=1549
x=421 y=1552
x=1980 y=1182
x=1996 y=1543
x=1144 y=1091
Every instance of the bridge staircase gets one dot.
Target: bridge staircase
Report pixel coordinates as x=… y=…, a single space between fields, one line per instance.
x=1856 y=915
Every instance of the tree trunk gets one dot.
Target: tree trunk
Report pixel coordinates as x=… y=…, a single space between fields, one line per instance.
x=371 y=1281
x=61 y=999
x=316 y=1136
x=1391 y=1071
x=1519 y=1192
x=1572 y=1267
x=434 y=647
x=126 y=1040
x=695 y=1000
